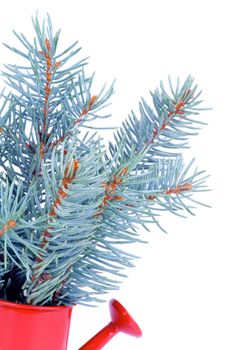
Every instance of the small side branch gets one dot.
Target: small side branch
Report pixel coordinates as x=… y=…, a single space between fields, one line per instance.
x=10 y=224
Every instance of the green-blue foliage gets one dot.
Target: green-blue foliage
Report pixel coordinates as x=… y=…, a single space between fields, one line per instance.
x=75 y=255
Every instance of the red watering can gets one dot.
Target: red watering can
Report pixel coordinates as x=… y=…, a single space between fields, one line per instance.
x=27 y=327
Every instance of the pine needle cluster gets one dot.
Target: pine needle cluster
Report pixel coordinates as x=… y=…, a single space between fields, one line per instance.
x=68 y=203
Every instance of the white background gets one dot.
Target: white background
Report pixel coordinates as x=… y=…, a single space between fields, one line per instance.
x=180 y=292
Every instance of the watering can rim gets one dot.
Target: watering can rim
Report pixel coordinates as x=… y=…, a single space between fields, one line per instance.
x=11 y=304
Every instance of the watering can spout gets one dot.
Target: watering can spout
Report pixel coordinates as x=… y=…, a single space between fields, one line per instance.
x=121 y=321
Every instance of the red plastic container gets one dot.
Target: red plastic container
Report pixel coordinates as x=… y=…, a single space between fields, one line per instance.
x=26 y=327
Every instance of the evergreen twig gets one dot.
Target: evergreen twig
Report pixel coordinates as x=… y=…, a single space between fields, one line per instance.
x=67 y=202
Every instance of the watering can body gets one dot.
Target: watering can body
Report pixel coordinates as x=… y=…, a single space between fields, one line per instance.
x=28 y=327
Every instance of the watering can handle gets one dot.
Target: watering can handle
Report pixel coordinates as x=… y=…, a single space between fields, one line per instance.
x=121 y=321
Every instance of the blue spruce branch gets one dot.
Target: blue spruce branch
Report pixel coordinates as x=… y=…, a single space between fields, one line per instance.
x=68 y=203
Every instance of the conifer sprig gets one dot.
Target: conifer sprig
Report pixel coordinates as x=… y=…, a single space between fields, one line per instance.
x=68 y=203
